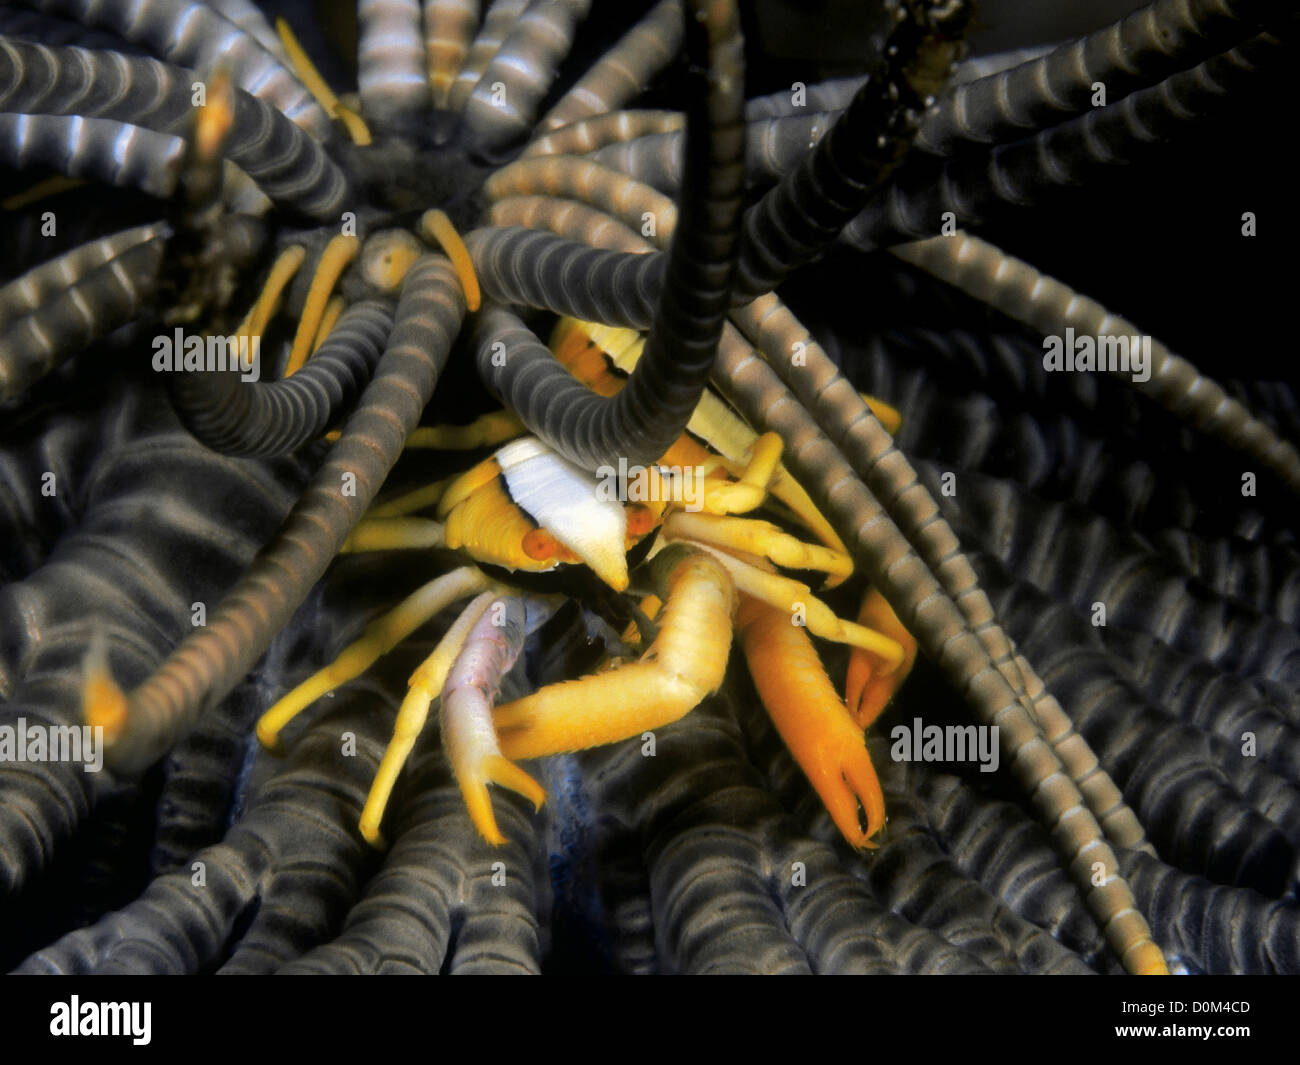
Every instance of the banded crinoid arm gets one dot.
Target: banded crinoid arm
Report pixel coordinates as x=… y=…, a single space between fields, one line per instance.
x=50 y=312
x=589 y=134
x=503 y=106
x=287 y=163
x=449 y=27
x=497 y=20
x=649 y=414
x=195 y=35
x=39 y=285
x=804 y=213
x=773 y=147
x=1138 y=50
x=391 y=79
x=625 y=71
x=96 y=149
x=839 y=411
x=126 y=546
x=977 y=186
x=240 y=417
x=1018 y=290
x=210 y=662
x=114 y=153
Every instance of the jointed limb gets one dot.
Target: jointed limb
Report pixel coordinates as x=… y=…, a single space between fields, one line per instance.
x=685 y=663
x=796 y=599
x=811 y=719
x=380 y=637
x=757 y=538
x=424 y=686
x=868 y=687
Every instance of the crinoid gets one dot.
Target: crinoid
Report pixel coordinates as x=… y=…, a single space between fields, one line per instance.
x=1098 y=564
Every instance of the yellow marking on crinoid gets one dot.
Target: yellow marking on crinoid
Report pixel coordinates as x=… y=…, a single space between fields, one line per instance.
x=103 y=703
x=331 y=316
x=50 y=186
x=340 y=251
x=495 y=427
x=319 y=87
x=287 y=264
x=216 y=116
x=437 y=227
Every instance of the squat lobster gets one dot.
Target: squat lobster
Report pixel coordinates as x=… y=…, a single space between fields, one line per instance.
x=708 y=573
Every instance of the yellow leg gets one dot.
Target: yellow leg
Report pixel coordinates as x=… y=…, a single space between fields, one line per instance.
x=495 y=427
x=797 y=600
x=739 y=497
x=811 y=718
x=758 y=538
x=424 y=686
x=394 y=534
x=334 y=259
x=428 y=496
x=887 y=416
x=380 y=637
x=868 y=687
x=685 y=663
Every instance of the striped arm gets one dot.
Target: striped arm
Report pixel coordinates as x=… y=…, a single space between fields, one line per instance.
x=207 y=664
x=390 y=62
x=1018 y=290
x=191 y=34
x=286 y=162
x=449 y=27
x=625 y=71
x=503 y=105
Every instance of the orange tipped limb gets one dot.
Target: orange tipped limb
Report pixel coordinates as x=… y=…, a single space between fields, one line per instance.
x=869 y=685
x=812 y=721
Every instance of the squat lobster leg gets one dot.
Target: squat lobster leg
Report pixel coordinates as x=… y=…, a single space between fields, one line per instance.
x=380 y=637
x=686 y=662
x=869 y=685
x=811 y=719
x=468 y=737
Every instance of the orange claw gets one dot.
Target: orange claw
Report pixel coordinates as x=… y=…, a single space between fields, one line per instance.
x=865 y=693
x=812 y=721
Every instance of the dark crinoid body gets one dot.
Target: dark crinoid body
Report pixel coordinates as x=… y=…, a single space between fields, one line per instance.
x=196 y=851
